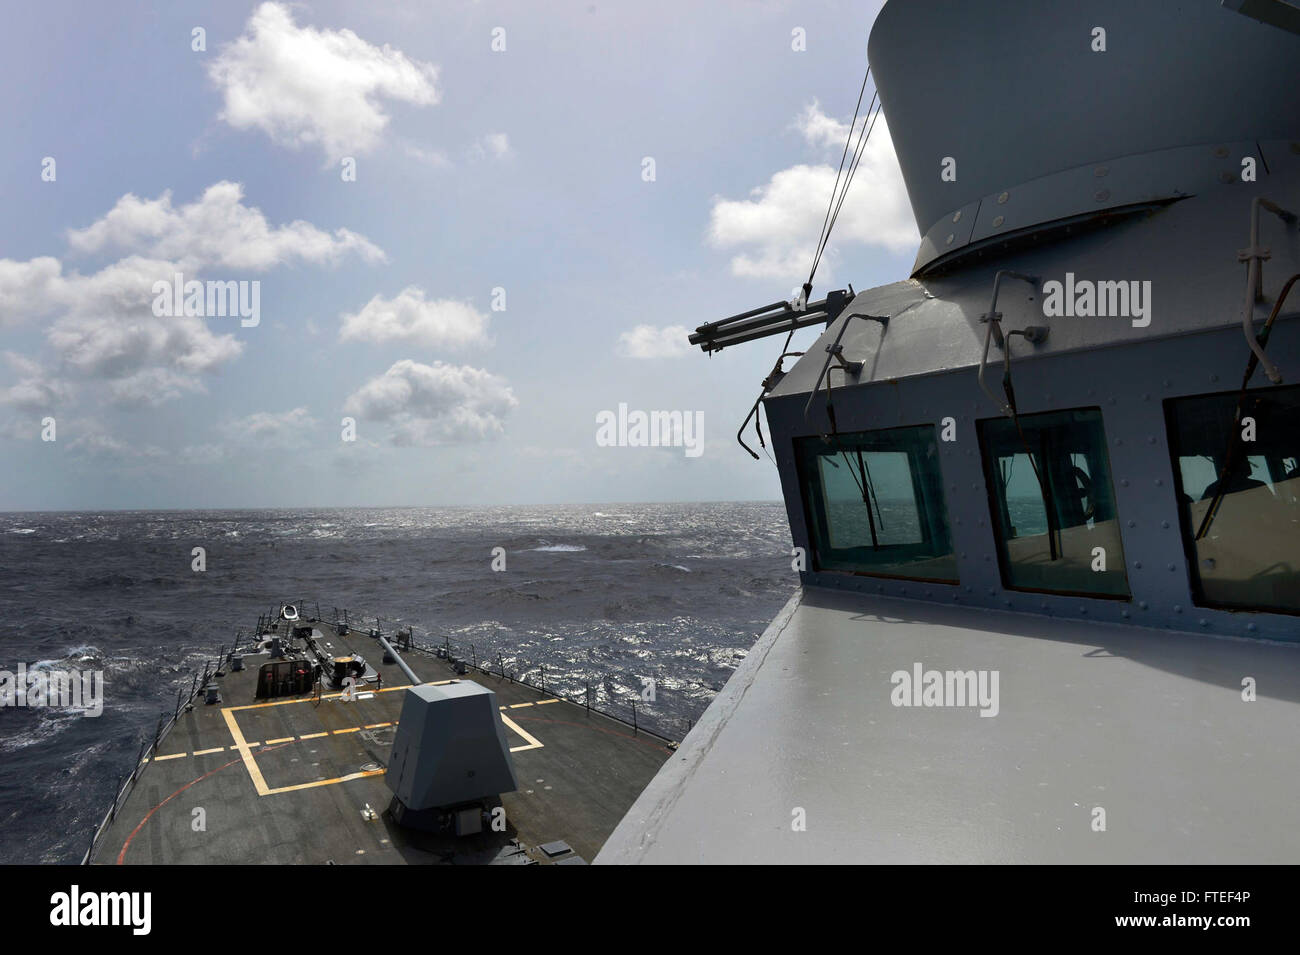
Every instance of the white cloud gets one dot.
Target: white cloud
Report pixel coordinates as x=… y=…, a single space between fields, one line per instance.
x=434 y=404
x=26 y=288
x=493 y=145
x=271 y=429
x=775 y=230
x=217 y=229
x=204 y=454
x=108 y=329
x=649 y=341
x=99 y=445
x=433 y=157
x=410 y=317
x=102 y=324
x=151 y=387
x=825 y=131
x=94 y=441
x=36 y=390
x=307 y=86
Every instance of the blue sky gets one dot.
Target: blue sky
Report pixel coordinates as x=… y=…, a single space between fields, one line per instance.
x=476 y=169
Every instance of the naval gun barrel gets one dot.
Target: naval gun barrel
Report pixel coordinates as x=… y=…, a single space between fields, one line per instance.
x=410 y=674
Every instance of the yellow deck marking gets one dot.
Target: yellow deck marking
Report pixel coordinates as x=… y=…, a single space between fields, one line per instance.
x=244 y=748
x=516 y=706
x=205 y=752
x=172 y=756
x=326 y=782
x=250 y=764
x=327 y=696
x=544 y=702
x=533 y=742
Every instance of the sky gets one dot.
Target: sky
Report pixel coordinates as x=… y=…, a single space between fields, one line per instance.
x=461 y=231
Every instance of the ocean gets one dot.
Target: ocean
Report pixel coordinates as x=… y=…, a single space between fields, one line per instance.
x=609 y=595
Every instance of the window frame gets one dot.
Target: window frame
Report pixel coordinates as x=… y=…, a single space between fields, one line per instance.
x=807 y=467
x=988 y=463
x=1185 y=531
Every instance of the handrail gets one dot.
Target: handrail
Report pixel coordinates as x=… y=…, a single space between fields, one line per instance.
x=1254 y=256
x=770 y=382
x=835 y=351
x=992 y=317
x=168 y=722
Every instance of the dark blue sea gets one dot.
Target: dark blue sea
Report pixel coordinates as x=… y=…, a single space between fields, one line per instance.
x=610 y=594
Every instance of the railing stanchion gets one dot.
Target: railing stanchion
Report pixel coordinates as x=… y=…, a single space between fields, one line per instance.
x=116 y=795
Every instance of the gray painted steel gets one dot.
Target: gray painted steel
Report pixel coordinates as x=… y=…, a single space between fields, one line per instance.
x=1129 y=384
x=1014 y=92
x=450 y=747
x=1149 y=726
x=397 y=658
x=1118 y=166
x=1187 y=251
x=322 y=764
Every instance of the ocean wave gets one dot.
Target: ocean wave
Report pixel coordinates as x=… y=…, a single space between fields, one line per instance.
x=671 y=592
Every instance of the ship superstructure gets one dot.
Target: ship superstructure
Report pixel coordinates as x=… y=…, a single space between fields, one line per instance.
x=1045 y=491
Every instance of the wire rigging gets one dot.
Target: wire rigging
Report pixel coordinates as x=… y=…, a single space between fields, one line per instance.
x=867 y=125
x=828 y=225
x=838 y=193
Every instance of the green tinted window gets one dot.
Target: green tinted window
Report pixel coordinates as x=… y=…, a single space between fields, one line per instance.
x=1053 y=504
x=1238 y=483
x=874 y=504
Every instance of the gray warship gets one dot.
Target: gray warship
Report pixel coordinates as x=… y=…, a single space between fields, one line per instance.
x=1044 y=502
x=323 y=742
x=1045 y=491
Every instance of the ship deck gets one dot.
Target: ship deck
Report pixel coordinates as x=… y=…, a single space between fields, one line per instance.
x=301 y=780
x=1110 y=744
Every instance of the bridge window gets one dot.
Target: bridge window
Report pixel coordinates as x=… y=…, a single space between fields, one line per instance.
x=874 y=504
x=1053 y=505
x=1237 y=473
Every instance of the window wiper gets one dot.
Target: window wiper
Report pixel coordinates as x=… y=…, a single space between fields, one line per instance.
x=1234 y=439
x=1034 y=334
x=869 y=498
x=867 y=490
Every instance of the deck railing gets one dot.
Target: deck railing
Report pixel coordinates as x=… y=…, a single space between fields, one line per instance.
x=631 y=712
